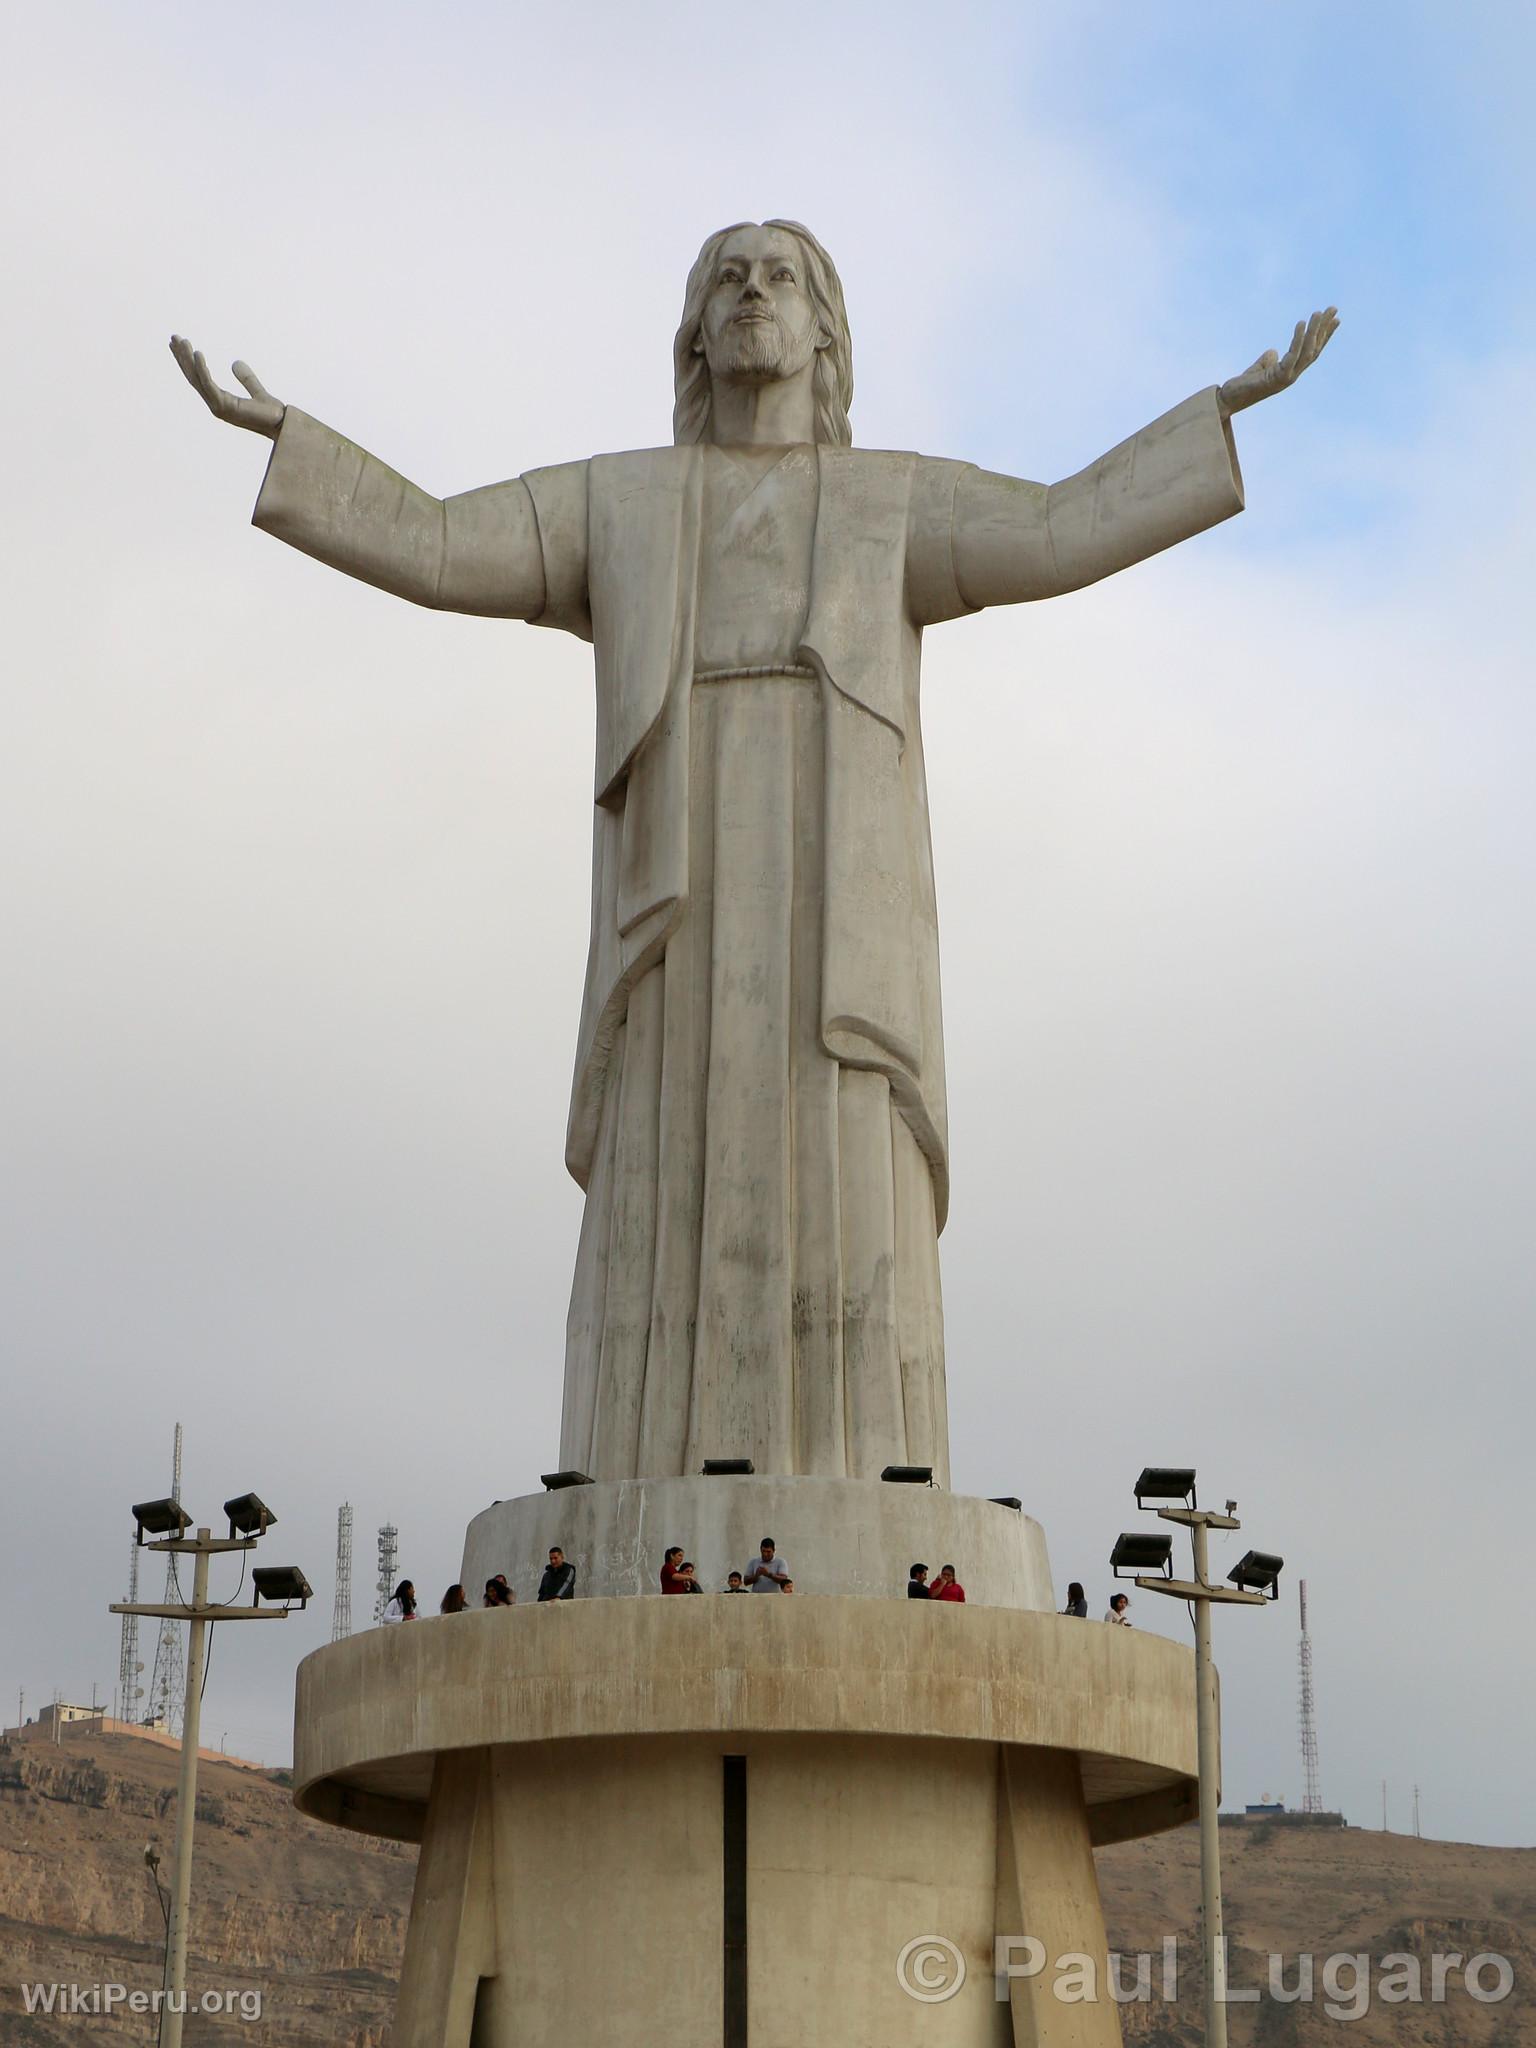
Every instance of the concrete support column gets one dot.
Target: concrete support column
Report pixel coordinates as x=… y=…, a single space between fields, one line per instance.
x=450 y=1945
x=1047 y=1888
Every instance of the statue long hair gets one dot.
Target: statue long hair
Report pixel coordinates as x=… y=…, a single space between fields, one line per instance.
x=832 y=381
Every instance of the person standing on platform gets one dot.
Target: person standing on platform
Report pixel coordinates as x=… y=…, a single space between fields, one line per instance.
x=559 y=1580
x=1118 y=1604
x=917 y=1583
x=949 y=1587
x=767 y=1571
x=1077 y=1601
x=403 y=1605
x=671 y=1571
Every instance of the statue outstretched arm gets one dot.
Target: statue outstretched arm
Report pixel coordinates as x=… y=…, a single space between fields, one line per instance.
x=1014 y=541
x=479 y=552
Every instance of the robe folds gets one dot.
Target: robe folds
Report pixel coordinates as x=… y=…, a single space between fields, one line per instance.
x=758 y=1111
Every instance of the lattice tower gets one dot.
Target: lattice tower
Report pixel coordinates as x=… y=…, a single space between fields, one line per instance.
x=1312 y=1794
x=129 y=1669
x=168 y=1686
x=341 y=1610
x=389 y=1553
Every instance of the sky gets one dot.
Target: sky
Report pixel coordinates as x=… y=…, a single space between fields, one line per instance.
x=1234 y=853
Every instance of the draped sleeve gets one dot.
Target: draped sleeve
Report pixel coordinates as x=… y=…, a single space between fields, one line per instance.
x=1014 y=541
x=479 y=552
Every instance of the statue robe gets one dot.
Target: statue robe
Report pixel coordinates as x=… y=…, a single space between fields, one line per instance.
x=758 y=1111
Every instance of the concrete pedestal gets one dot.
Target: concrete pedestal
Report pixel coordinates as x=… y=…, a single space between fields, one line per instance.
x=708 y=1823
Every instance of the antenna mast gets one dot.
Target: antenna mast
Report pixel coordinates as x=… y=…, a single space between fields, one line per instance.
x=389 y=1550
x=1312 y=1795
x=341 y=1611
x=168 y=1687
x=128 y=1666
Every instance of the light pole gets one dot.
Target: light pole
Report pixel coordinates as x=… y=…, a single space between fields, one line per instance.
x=1255 y=1572
x=249 y=1520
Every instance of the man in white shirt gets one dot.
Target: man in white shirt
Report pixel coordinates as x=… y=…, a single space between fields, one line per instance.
x=767 y=1572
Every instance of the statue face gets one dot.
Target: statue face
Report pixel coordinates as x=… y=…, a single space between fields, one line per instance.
x=760 y=322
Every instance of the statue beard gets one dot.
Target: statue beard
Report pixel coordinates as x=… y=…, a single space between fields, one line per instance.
x=758 y=352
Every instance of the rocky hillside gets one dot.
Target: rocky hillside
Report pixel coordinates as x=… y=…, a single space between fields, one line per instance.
x=1340 y=1892
x=314 y=1919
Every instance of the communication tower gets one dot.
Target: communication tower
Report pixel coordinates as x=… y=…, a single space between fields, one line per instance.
x=341 y=1611
x=130 y=1692
x=1312 y=1795
x=168 y=1686
x=389 y=1552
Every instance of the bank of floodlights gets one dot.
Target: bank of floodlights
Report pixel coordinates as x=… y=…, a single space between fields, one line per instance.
x=1258 y=1571
x=280 y=1583
x=160 y=1518
x=1136 y=1553
x=1162 y=1485
x=248 y=1515
x=1168 y=1491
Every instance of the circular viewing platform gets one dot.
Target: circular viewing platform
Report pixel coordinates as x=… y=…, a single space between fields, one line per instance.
x=374 y=1712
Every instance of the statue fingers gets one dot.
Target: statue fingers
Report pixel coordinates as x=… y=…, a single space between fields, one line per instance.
x=187 y=360
x=252 y=382
x=1317 y=337
x=214 y=394
x=1293 y=361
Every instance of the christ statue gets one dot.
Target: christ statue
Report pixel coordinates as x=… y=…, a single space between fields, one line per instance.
x=758 y=1112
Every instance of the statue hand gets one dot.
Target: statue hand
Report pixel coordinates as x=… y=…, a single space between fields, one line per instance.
x=261 y=413
x=1272 y=372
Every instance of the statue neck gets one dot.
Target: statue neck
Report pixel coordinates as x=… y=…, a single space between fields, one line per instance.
x=781 y=414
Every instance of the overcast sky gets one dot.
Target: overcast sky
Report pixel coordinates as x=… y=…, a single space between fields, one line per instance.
x=1235 y=854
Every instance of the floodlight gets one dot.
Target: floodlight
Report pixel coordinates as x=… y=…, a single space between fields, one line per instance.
x=728 y=1468
x=1166 y=1483
x=248 y=1515
x=161 y=1518
x=1137 y=1552
x=909 y=1475
x=1258 y=1571
x=283 y=1582
x=552 y=1482
x=1007 y=1500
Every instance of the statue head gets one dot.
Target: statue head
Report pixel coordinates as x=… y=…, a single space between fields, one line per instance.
x=764 y=301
